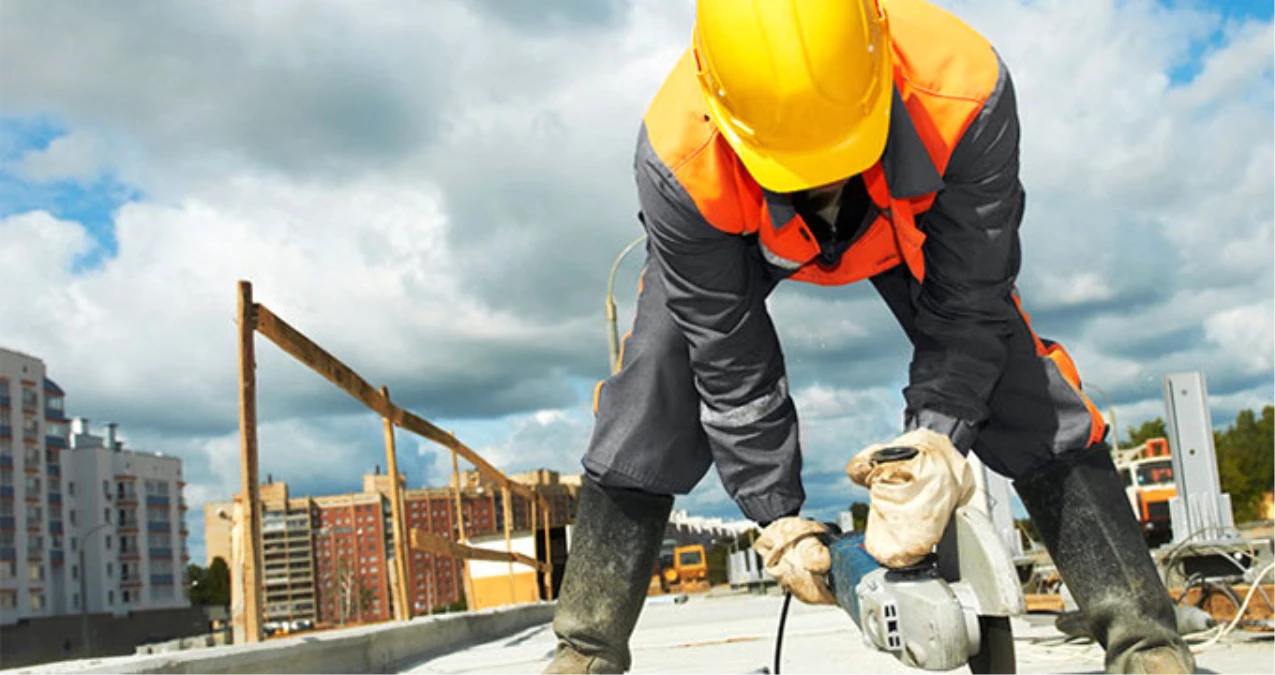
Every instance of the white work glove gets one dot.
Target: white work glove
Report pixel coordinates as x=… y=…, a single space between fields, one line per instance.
x=912 y=499
x=792 y=553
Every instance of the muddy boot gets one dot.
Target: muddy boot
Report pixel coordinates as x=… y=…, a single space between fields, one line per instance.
x=616 y=539
x=1080 y=509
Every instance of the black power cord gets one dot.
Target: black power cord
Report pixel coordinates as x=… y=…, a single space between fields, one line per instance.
x=779 y=636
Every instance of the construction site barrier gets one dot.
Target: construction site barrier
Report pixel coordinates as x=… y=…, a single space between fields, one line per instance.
x=246 y=567
x=365 y=649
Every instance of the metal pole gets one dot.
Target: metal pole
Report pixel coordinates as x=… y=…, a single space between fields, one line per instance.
x=613 y=336
x=404 y=612
x=84 y=589
x=250 y=619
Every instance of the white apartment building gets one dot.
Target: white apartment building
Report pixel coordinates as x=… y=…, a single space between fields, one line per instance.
x=57 y=487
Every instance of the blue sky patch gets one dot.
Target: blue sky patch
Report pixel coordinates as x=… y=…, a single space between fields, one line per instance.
x=1230 y=13
x=91 y=203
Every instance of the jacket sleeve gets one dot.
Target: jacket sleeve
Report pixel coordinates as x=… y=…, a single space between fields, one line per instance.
x=965 y=307
x=717 y=286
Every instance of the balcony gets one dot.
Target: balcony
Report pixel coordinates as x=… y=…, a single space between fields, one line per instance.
x=7 y=523
x=161 y=553
x=161 y=580
x=54 y=415
x=53 y=470
x=159 y=526
x=128 y=526
x=6 y=491
x=131 y=580
x=55 y=526
x=35 y=553
x=152 y=500
x=56 y=557
x=126 y=499
x=6 y=431
x=55 y=442
x=35 y=524
x=55 y=498
x=6 y=461
x=131 y=554
x=4 y=400
x=8 y=553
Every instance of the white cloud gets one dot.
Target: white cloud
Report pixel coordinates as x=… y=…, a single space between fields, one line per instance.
x=440 y=211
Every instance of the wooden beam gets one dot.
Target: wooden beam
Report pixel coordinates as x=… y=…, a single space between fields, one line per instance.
x=248 y=316
x=402 y=611
x=426 y=541
x=306 y=351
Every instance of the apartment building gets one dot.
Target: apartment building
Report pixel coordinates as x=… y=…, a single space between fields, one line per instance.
x=83 y=522
x=349 y=577
x=130 y=509
x=35 y=579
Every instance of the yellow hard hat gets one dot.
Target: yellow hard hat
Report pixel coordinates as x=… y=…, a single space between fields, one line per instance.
x=801 y=89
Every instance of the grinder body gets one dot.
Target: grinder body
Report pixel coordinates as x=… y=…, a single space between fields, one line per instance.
x=929 y=616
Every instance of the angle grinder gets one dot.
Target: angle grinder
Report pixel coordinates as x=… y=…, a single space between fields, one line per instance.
x=950 y=610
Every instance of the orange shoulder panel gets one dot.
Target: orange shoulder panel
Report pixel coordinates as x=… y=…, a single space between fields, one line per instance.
x=684 y=138
x=945 y=71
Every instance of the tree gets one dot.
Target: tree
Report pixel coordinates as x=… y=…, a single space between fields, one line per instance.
x=1245 y=457
x=1150 y=429
x=210 y=586
x=859 y=515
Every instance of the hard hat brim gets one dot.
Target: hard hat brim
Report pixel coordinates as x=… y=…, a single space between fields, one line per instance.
x=779 y=171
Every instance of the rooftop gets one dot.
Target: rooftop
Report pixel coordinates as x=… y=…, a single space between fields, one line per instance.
x=736 y=634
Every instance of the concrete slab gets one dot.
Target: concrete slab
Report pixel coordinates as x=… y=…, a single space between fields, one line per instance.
x=735 y=634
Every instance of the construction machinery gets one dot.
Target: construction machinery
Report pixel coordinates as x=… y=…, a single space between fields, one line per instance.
x=681 y=569
x=1147 y=472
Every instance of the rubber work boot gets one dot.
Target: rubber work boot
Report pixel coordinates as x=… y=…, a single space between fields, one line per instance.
x=1080 y=509
x=616 y=539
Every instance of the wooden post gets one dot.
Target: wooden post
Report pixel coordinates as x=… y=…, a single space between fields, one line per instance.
x=249 y=620
x=460 y=520
x=402 y=611
x=544 y=514
x=508 y=508
x=531 y=523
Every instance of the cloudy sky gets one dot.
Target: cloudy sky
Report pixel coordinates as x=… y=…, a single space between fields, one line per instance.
x=435 y=191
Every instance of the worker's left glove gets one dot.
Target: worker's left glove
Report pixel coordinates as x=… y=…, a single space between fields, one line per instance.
x=915 y=481
x=794 y=555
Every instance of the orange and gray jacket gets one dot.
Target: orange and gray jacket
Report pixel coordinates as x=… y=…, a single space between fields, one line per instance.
x=945 y=203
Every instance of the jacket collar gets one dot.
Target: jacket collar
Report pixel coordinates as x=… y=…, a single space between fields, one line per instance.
x=909 y=170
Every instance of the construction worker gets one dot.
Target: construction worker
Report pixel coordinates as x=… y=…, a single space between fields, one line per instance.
x=829 y=142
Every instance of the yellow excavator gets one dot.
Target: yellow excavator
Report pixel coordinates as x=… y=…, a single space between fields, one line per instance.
x=681 y=569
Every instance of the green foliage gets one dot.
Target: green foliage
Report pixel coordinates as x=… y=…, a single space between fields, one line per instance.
x=1245 y=457
x=210 y=586
x=1150 y=429
x=1246 y=461
x=859 y=514
x=716 y=561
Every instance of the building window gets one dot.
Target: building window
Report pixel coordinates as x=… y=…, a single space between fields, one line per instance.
x=75 y=544
x=8 y=570
x=36 y=572
x=106 y=489
x=110 y=597
x=6 y=601
x=73 y=515
x=37 y=601
x=110 y=570
x=126 y=597
x=75 y=572
x=75 y=601
x=70 y=488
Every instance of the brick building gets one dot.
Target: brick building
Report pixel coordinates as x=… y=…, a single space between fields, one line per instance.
x=330 y=559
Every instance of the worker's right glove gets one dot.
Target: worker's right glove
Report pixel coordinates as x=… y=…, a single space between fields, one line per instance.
x=915 y=482
x=793 y=554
